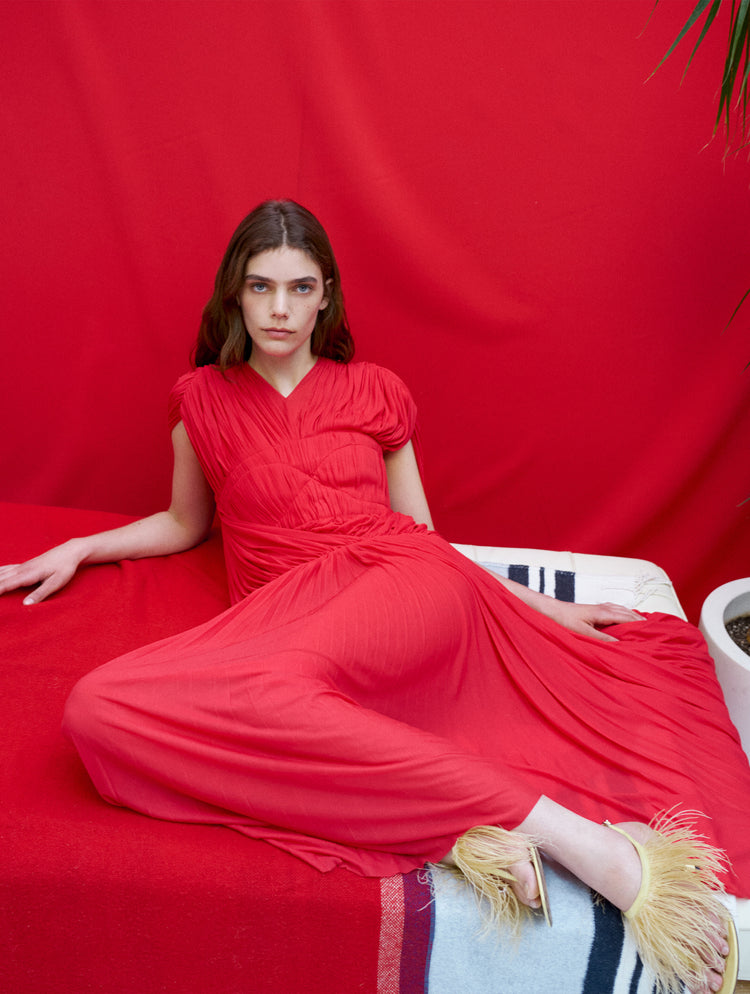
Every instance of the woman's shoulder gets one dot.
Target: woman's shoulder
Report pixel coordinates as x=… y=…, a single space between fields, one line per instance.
x=377 y=400
x=365 y=374
x=185 y=386
x=203 y=377
x=184 y=383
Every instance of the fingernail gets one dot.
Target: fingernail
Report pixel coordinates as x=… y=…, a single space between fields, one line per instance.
x=28 y=600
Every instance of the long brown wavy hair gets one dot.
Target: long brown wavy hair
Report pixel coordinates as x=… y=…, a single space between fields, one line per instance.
x=222 y=338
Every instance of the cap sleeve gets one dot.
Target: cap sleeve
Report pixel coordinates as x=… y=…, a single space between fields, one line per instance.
x=393 y=411
x=174 y=409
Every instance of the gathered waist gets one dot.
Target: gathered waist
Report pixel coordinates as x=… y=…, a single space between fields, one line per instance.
x=256 y=554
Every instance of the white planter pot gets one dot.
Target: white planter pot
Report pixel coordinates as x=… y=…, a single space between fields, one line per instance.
x=732 y=664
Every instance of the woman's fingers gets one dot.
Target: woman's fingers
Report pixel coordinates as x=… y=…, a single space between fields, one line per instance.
x=597 y=634
x=50 y=572
x=50 y=585
x=591 y=618
x=616 y=613
x=16 y=575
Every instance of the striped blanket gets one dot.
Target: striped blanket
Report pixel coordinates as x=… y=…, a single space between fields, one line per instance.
x=432 y=941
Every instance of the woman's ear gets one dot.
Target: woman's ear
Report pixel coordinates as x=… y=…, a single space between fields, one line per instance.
x=325 y=301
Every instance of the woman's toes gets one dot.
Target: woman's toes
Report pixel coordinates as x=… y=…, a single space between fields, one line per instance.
x=715 y=976
x=525 y=885
x=716 y=981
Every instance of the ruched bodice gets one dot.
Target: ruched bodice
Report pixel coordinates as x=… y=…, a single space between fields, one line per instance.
x=295 y=476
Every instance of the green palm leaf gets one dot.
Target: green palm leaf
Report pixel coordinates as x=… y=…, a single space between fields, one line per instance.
x=733 y=90
x=734 y=79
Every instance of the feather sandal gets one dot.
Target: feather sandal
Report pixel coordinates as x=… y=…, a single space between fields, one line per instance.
x=483 y=857
x=678 y=905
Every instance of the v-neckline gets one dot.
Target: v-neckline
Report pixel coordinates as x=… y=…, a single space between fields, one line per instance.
x=277 y=393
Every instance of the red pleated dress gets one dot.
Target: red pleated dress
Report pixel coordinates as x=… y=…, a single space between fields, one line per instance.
x=372 y=694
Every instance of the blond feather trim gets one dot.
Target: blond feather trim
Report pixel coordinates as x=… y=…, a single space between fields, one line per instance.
x=678 y=905
x=483 y=857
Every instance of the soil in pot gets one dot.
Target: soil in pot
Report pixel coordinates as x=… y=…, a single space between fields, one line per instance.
x=738 y=630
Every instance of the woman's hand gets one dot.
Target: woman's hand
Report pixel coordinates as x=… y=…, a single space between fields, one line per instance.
x=588 y=619
x=52 y=570
x=585 y=619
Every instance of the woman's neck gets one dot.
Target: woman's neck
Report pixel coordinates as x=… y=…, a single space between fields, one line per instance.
x=283 y=373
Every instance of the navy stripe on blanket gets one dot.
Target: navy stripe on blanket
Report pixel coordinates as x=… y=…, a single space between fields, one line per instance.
x=606 y=949
x=560 y=583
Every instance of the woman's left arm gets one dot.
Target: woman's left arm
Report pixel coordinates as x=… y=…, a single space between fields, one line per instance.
x=405 y=488
x=408 y=497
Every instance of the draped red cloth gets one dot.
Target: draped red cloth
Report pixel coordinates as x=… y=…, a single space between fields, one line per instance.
x=371 y=694
x=528 y=227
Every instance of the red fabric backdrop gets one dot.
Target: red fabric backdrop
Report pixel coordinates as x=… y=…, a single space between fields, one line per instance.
x=529 y=231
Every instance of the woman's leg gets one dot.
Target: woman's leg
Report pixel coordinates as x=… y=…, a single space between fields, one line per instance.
x=272 y=750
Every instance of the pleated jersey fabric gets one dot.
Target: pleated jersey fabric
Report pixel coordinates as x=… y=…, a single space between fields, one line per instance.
x=372 y=694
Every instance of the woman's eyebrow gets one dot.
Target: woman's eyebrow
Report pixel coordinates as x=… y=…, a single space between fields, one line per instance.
x=265 y=279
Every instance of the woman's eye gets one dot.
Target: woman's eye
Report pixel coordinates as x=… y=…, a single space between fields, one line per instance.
x=303 y=288
x=258 y=287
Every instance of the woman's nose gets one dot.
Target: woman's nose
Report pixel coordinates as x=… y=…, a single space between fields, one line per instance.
x=280 y=304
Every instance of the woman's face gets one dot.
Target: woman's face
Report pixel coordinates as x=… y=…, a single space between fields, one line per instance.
x=280 y=299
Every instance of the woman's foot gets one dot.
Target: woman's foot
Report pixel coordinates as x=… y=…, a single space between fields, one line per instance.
x=686 y=927
x=714 y=956
x=503 y=869
x=524 y=883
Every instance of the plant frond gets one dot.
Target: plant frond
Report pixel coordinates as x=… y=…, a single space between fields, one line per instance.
x=699 y=8
x=736 y=67
x=735 y=79
x=745 y=295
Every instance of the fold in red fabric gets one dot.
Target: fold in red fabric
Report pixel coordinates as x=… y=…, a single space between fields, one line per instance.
x=372 y=694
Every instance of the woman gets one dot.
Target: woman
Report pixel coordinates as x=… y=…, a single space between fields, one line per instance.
x=372 y=699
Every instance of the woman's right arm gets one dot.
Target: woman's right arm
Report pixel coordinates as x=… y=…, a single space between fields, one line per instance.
x=184 y=524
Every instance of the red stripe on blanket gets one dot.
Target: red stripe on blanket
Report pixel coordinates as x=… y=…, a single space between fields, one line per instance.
x=391 y=934
x=406 y=926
